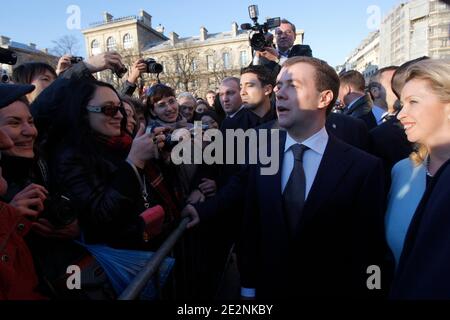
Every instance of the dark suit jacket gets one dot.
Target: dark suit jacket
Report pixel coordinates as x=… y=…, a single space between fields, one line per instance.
x=362 y=109
x=388 y=141
x=350 y=130
x=423 y=271
x=298 y=50
x=339 y=235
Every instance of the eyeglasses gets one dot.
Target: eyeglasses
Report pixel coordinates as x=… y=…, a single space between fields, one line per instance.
x=109 y=111
x=162 y=104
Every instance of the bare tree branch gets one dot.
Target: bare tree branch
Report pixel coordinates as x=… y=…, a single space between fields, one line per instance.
x=67 y=44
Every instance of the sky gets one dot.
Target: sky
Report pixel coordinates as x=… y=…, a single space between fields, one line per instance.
x=332 y=28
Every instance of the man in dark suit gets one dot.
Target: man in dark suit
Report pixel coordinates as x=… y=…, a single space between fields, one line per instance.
x=315 y=227
x=256 y=88
x=352 y=94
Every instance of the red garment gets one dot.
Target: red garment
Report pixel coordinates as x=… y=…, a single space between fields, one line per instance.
x=18 y=280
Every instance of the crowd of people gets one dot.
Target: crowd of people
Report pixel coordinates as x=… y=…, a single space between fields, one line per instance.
x=362 y=182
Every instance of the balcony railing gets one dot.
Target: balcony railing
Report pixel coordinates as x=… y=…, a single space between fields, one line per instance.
x=101 y=23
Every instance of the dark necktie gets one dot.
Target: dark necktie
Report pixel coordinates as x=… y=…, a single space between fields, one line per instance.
x=294 y=192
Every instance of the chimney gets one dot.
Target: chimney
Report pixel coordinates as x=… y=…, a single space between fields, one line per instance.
x=160 y=29
x=203 y=33
x=234 y=29
x=107 y=17
x=32 y=45
x=146 y=18
x=4 y=41
x=173 y=36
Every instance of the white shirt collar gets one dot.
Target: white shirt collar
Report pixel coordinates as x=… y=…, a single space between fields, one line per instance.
x=317 y=142
x=353 y=102
x=233 y=114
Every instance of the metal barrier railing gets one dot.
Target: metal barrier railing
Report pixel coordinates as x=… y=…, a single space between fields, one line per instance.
x=134 y=289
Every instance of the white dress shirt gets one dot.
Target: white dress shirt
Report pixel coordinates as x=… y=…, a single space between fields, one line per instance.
x=311 y=158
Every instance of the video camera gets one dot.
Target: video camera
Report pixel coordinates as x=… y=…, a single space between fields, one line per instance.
x=8 y=56
x=258 y=40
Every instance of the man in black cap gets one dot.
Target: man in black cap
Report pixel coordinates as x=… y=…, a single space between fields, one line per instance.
x=20 y=281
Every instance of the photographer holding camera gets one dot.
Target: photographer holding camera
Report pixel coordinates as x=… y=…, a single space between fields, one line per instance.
x=138 y=68
x=285 y=36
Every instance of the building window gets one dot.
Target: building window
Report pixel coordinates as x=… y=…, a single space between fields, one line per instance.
x=110 y=44
x=195 y=84
x=95 y=47
x=194 y=65
x=243 y=58
x=226 y=60
x=210 y=62
x=127 y=41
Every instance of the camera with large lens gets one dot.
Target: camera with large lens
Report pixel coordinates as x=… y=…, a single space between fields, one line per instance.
x=8 y=56
x=59 y=211
x=153 y=66
x=259 y=39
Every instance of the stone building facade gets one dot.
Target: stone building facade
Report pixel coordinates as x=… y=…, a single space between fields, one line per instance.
x=196 y=64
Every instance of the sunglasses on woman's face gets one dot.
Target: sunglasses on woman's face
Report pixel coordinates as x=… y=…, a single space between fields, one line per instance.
x=109 y=111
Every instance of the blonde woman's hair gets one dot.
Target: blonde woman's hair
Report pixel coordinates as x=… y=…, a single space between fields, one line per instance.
x=437 y=74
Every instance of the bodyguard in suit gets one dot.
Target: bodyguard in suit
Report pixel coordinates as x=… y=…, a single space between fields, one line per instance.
x=357 y=103
x=315 y=227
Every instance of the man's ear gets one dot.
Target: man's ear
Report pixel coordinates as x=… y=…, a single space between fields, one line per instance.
x=325 y=99
x=268 y=89
x=375 y=92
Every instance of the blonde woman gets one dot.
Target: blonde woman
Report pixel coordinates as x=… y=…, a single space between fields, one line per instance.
x=423 y=270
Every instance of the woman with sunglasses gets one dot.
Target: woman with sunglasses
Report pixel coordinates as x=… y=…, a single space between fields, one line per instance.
x=106 y=174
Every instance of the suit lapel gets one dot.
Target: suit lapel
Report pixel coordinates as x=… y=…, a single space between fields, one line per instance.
x=333 y=167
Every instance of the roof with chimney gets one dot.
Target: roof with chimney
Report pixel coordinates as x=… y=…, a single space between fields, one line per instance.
x=211 y=38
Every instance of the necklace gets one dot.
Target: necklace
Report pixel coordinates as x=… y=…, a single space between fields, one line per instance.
x=427 y=167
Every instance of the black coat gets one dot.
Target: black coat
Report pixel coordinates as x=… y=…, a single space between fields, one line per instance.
x=339 y=235
x=105 y=191
x=350 y=130
x=298 y=50
x=423 y=270
x=388 y=141
x=362 y=109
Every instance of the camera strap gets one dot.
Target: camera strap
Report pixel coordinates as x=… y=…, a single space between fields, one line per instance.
x=143 y=184
x=44 y=172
